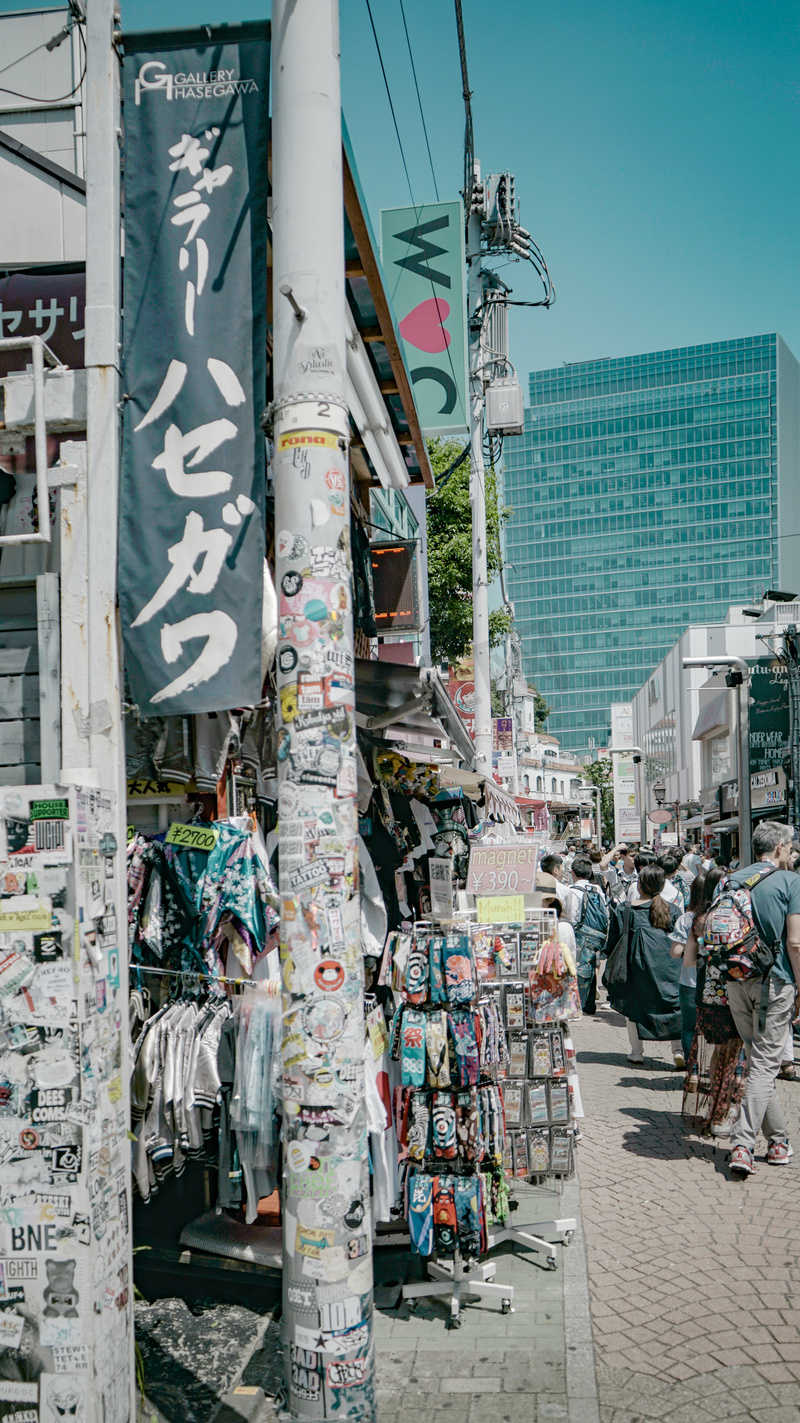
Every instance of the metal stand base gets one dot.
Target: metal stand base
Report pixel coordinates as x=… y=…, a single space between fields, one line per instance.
x=453 y=1279
x=522 y=1235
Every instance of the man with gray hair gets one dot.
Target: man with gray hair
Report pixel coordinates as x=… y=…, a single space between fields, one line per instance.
x=764 y=1007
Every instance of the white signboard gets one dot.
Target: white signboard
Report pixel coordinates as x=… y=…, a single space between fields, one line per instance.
x=627 y=824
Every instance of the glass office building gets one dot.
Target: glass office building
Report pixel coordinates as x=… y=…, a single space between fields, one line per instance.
x=649 y=492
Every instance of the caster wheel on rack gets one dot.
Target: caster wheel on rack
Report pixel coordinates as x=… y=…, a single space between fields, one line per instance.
x=455 y=1323
x=569 y=1236
x=551 y=1262
x=507 y=1307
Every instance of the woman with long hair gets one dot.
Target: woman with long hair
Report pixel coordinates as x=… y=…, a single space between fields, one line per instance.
x=641 y=975
x=716 y=1069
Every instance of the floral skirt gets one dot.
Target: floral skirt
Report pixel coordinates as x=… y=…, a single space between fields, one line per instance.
x=721 y=1071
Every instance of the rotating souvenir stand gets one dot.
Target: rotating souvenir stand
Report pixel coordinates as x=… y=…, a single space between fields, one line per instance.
x=530 y=1099
x=455 y=1277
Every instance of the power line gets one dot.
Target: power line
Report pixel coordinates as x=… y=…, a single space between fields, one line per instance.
x=391 y=104
x=419 y=101
x=416 y=206
x=51 y=99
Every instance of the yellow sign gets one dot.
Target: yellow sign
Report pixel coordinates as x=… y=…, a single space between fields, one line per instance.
x=192 y=837
x=144 y=789
x=32 y=920
x=501 y=909
x=322 y=438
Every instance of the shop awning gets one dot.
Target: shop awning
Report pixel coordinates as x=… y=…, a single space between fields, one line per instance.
x=389 y=447
x=723 y=827
x=500 y=805
x=412 y=700
x=713 y=714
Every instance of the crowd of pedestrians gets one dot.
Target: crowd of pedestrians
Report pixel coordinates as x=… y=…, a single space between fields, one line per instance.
x=703 y=955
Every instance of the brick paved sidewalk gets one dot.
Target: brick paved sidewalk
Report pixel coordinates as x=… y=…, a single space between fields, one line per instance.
x=694 y=1276
x=220 y=1363
x=527 y=1367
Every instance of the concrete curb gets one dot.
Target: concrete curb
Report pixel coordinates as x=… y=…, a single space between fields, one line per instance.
x=582 y=1396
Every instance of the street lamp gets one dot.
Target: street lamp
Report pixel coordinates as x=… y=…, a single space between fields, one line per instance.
x=737 y=678
x=636 y=753
x=596 y=792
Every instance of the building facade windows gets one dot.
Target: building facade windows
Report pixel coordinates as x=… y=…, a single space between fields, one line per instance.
x=645 y=493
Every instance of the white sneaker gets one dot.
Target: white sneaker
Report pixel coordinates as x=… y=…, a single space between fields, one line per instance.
x=722 y=1128
x=680 y=1062
x=635 y=1061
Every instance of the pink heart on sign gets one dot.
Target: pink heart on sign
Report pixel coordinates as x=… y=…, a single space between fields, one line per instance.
x=424 y=326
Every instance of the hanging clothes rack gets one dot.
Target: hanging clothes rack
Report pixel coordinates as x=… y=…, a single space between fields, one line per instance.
x=269 y=985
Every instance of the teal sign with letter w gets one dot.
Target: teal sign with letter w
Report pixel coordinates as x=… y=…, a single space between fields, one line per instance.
x=424 y=264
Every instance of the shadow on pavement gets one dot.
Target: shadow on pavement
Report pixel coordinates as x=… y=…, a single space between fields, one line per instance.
x=664 y=1136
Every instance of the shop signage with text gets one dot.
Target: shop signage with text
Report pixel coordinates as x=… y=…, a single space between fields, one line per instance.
x=502 y=869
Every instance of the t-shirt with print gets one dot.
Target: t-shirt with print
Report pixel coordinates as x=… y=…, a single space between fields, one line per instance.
x=777 y=896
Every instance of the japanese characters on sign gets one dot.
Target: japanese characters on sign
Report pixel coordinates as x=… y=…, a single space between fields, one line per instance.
x=192 y=496
x=49 y=304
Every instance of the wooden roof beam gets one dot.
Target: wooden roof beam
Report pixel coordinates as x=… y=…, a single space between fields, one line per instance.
x=385 y=324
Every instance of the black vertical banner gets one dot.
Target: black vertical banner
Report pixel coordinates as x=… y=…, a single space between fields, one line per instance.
x=194 y=324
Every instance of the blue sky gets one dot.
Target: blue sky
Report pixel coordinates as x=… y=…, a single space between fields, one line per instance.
x=655 y=144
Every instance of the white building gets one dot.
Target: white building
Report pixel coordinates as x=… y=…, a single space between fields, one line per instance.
x=42 y=138
x=685 y=722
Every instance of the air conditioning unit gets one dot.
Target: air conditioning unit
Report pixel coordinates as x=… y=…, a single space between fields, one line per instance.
x=505 y=413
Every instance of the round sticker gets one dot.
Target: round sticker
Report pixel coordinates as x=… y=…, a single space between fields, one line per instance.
x=29 y=1139
x=284 y=744
x=335 y=479
x=354 y=1215
x=287 y=660
x=298 y=1155
x=324 y=1019
x=291 y=583
x=329 y=975
x=315 y=610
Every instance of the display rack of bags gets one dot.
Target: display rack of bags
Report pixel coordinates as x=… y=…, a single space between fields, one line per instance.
x=533 y=984
x=448 y=1110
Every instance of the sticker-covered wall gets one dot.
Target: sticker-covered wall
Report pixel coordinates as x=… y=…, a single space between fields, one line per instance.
x=65 y=1247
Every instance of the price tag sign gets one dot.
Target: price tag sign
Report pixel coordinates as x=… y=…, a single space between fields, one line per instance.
x=192 y=837
x=502 y=869
x=501 y=909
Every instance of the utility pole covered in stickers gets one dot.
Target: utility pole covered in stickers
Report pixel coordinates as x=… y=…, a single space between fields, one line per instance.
x=327 y=1262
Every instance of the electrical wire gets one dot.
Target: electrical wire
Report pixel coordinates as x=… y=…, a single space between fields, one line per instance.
x=51 y=99
x=391 y=104
x=419 y=101
x=416 y=206
x=469 y=135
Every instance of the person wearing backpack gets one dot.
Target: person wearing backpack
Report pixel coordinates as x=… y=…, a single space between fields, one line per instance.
x=587 y=911
x=752 y=933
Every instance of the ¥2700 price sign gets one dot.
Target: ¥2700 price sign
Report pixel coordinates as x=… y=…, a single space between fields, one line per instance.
x=192 y=837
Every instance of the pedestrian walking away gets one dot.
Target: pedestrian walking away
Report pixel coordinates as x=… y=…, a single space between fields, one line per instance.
x=587 y=911
x=641 y=975
x=753 y=933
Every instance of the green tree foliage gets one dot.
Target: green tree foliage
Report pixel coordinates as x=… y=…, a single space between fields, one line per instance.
x=600 y=774
x=541 y=710
x=450 y=556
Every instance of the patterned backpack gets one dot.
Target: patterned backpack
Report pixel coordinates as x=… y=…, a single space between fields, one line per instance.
x=730 y=935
